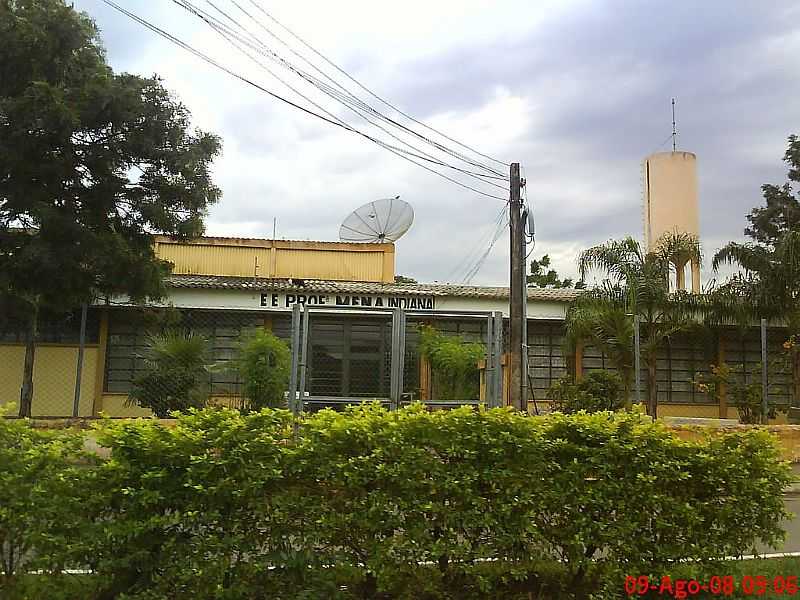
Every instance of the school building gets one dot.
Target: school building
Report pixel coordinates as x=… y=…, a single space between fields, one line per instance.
x=222 y=287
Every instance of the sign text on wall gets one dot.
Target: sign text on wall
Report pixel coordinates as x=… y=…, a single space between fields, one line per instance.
x=334 y=300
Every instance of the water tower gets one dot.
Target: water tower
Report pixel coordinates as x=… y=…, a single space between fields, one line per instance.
x=670 y=204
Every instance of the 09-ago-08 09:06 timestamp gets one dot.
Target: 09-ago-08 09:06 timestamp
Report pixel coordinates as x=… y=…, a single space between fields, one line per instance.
x=724 y=585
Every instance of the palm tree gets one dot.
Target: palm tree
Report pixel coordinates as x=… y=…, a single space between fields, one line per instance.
x=595 y=318
x=768 y=286
x=176 y=375
x=770 y=280
x=637 y=282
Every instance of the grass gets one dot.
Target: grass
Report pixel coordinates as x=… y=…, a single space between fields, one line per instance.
x=742 y=572
x=542 y=581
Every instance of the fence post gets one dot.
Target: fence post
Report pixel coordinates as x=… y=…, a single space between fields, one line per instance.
x=497 y=393
x=490 y=351
x=398 y=358
x=295 y=359
x=764 y=401
x=79 y=368
x=303 y=357
x=636 y=359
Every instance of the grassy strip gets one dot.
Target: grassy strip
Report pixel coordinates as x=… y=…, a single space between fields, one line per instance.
x=544 y=581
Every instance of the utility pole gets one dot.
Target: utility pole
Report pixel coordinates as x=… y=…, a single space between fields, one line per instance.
x=516 y=290
x=764 y=375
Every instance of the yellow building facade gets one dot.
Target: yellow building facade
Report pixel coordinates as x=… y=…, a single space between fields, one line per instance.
x=223 y=287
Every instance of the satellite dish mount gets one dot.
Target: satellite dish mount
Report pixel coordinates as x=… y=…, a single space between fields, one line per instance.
x=378 y=222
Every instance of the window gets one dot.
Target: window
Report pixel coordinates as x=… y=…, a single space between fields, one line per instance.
x=349 y=357
x=743 y=355
x=546 y=361
x=681 y=360
x=127 y=344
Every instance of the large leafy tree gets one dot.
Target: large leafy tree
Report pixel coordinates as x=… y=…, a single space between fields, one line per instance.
x=781 y=213
x=636 y=282
x=543 y=276
x=767 y=284
x=92 y=164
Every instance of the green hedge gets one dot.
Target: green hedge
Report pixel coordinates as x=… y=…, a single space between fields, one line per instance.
x=409 y=504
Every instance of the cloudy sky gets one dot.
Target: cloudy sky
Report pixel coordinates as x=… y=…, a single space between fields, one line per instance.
x=578 y=92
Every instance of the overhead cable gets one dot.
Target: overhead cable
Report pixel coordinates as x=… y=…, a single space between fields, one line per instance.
x=276 y=96
x=234 y=39
x=367 y=90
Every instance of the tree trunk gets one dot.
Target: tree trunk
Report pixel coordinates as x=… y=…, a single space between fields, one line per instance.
x=796 y=377
x=626 y=391
x=26 y=393
x=652 y=391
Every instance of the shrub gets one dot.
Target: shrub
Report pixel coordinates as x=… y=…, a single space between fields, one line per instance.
x=409 y=504
x=177 y=374
x=743 y=390
x=454 y=363
x=595 y=391
x=264 y=364
x=40 y=499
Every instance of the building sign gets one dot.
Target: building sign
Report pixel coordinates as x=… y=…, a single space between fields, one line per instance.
x=414 y=302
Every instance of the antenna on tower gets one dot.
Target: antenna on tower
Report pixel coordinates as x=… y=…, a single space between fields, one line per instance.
x=674 y=133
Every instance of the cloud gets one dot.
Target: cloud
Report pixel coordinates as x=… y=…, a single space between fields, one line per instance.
x=577 y=92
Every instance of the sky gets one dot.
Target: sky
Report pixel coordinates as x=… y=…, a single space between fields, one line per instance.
x=577 y=92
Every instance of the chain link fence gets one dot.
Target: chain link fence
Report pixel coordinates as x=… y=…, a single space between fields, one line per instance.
x=349 y=358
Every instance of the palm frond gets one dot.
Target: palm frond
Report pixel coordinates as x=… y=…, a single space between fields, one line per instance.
x=749 y=257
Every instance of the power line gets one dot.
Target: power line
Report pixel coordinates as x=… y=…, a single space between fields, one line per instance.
x=497 y=235
x=476 y=261
x=341 y=95
x=272 y=94
x=349 y=97
x=227 y=33
x=368 y=91
x=468 y=258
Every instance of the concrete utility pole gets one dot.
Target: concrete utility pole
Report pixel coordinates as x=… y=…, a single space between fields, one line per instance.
x=517 y=287
x=764 y=375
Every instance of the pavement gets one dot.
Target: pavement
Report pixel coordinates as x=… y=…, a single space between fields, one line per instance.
x=792 y=526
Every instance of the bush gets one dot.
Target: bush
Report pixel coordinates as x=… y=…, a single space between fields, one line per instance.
x=454 y=363
x=408 y=504
x=743 y=390
x=40 y=498
x=596 y=391
x=264 y=363
x=177 y=375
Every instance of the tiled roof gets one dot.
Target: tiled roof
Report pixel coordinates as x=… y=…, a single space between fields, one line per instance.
x=354 y=287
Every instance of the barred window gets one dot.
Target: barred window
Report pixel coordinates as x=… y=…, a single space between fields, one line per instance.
x=127 y=344
x=349 y=357
x=546 y=361
x=743 y=354
x=682 y=359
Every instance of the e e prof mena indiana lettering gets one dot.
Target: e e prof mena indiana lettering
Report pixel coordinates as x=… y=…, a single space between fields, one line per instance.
x=333 y=300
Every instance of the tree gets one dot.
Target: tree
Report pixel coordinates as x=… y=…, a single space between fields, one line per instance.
x=768 y=224
x=543 y=277
x=92 y=164
x=596 y=318
x=767 y=284
x=404 y=279
x=176 y=376
x=637 y=282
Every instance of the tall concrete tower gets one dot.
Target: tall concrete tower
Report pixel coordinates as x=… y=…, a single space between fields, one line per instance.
x=670 y=204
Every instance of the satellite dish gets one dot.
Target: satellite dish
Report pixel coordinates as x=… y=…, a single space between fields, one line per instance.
x=378 y=221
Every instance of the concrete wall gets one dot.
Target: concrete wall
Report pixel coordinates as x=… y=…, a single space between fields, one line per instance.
x=54 y=372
